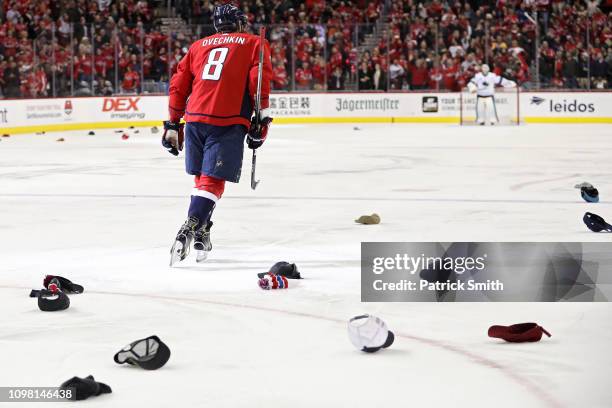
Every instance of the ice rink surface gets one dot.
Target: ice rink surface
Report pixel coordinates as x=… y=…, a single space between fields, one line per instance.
x=103 y=212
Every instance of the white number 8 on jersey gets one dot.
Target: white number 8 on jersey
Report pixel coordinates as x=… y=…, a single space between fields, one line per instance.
x=216 y=58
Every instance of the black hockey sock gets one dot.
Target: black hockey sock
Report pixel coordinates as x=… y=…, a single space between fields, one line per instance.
x=201 y=208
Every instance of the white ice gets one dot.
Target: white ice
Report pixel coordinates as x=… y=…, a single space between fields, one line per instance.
x=103 y=212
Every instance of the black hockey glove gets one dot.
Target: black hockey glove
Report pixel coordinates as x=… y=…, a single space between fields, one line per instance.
x=173 y=137
x=257 y=134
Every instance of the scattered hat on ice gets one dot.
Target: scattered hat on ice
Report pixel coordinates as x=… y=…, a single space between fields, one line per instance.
x=518 y=333
x=52 y=299
x=83 y=388
x=369 y=333
x=596 y=223
x=368 y=219
x=91 y=133
x=64 y=284
x=282 y=268
x=273 y=281
x=154 y=129
x=61 y=139
x=588 y=192
x=150 y=353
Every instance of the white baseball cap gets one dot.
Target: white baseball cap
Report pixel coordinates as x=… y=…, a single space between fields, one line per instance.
x=369 y=333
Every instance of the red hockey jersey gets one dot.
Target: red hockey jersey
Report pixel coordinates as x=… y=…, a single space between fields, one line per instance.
x=216 y=80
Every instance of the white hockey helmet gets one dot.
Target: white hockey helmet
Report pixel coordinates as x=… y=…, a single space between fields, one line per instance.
x=485 y=69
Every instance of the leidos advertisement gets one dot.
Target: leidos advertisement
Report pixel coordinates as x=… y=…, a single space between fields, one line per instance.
x=486 y=271
x=564 y=104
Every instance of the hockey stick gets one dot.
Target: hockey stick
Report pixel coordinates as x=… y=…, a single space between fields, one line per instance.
x=262 y=36
x=254 y=182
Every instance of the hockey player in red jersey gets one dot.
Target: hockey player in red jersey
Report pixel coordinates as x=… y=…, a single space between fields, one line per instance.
x=213 y=90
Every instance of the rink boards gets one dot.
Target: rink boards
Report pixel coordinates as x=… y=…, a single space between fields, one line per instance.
x=52 y=114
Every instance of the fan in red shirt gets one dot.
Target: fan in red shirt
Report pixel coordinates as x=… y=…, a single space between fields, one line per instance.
x=10 y=45
x=214 y=90
x=449 y=73
x=35 y=83
x=318 y=73
x=131 y=80
x=336 y=60
x=28 y=85
x=100 y=63
x=280 y=80
x=419 y=75
x=435 y=76
x=303 y=77
x=85 y=67
x=304 y=46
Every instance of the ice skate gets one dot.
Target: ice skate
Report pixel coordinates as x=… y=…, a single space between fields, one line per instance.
x=202 y=243
x=182 y=244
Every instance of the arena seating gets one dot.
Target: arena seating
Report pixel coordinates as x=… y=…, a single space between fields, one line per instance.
x=104 y=47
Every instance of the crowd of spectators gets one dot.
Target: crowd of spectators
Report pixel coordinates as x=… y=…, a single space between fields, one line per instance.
x=432 y=44
x=315 y=40
x=83 y=47
x=575 y=50
x=440 y=45
x=104 y=47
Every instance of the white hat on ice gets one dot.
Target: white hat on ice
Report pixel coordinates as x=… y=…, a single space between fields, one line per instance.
x=369 y=333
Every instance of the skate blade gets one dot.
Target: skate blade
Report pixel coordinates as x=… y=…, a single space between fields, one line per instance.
x=201 y=256
x=176 y=253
